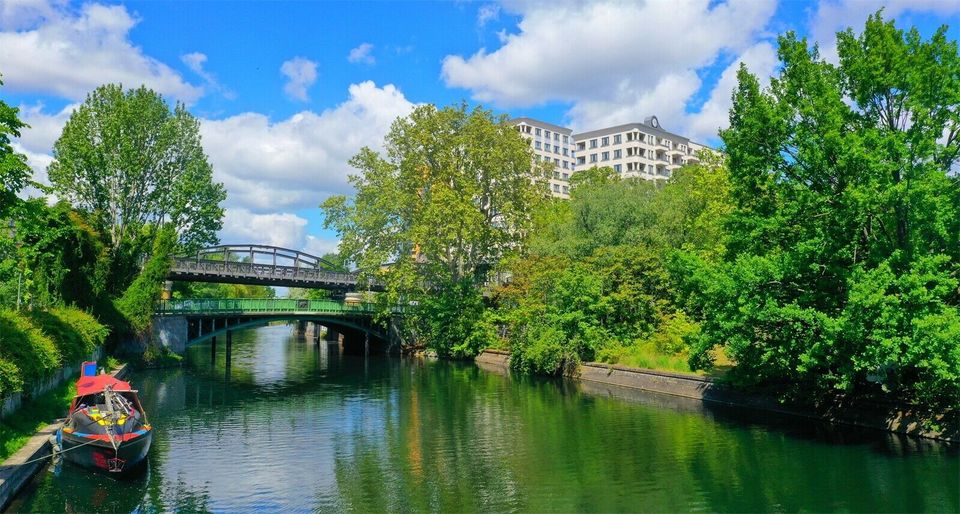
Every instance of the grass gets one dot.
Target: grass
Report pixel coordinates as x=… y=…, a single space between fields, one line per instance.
x=644 y=356
x=18 y=427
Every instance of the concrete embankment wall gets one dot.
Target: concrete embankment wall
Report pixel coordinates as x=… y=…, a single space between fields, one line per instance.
x=19 y=468
x=892 y=419
x=12 y=402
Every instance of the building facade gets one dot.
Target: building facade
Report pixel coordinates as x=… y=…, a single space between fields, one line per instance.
x=552 y=144
x=642 y=150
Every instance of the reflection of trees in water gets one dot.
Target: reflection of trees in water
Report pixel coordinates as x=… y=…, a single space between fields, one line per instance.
x=460 y=439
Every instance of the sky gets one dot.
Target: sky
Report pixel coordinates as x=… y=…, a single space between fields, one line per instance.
x=287 y=92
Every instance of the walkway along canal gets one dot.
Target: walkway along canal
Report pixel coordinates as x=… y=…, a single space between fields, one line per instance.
x=292 y=425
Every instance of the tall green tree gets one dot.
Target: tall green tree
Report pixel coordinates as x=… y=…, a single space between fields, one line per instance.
x=14 y=172
x=452 y=195
x=843 y=255
x=135 y=164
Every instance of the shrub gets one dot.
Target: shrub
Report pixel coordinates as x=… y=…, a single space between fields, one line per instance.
x=23 y=343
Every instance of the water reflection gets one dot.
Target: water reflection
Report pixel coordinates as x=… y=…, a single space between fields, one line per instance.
x=296 y=426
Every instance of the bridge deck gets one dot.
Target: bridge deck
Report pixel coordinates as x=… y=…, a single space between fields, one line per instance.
x=252 y=273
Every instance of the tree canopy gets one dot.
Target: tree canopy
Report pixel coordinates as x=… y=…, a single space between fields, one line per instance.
x=841 y=274
x=449 y=198
x=132 y=162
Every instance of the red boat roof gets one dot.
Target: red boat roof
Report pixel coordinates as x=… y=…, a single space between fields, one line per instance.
x=97 y=383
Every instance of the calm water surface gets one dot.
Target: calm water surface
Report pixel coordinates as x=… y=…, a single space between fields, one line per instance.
x=290 y=426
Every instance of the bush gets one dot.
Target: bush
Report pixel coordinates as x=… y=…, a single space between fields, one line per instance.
x=75 y=332
x=139 y=300
x=23 y=343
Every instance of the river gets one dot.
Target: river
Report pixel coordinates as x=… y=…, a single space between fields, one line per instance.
x=290 y=426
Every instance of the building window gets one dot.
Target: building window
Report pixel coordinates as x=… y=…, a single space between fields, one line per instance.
x=581 y=146
x=566 y=165
x=556 y=136
x=566 y=190
x=566 y=176
x=566 y=139
x=556 y=161
x=617 y=154
x=605 y=141
x=556 y=149
x=537 y=145
x=564 y=152
x=546 y=134
x=593 y=143
x=616 y=167
x=538 y=132
x=581 y=160
x=617 y=140
x=556 y=175
x=606 y=156
x=556 y=188
x=593 y=157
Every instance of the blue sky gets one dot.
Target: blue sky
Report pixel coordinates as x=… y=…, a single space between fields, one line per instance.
x=287 y=92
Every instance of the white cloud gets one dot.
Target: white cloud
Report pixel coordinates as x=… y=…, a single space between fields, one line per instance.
x=833 y=16
x=597 y=51
x=277 y=229
x=319 y=246
x=361 y=54
x=48 y=49
x=296 y=163
x=487 y=13
x=301 y=73
x=195 y=61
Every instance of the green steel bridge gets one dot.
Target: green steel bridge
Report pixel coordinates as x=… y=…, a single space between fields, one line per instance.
x=180 y=323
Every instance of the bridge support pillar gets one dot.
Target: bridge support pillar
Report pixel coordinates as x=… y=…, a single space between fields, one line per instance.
x=332 y=335
x=213 y=350
x=229 y=345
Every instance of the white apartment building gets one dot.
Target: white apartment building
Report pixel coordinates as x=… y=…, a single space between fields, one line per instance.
x=553 y=144
x=635 y=149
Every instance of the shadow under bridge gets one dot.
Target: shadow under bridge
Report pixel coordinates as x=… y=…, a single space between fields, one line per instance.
x=180 y=323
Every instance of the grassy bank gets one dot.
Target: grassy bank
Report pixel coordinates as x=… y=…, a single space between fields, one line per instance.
x=18 y=427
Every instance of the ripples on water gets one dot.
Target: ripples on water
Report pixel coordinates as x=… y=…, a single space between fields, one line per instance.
x=290 y=426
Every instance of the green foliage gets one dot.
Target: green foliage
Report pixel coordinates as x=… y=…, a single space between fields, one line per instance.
x=35 y=344
x=449 y=319
x=842 y=257
x=139 y=301
x=75 y=333
x=133 y=164
x=27 y=347
x=598 y=282
x=14 y=171
x=213 y=290
x=450 y=198
x=55 y=258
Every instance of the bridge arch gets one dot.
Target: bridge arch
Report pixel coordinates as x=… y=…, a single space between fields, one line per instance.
x=275 y=255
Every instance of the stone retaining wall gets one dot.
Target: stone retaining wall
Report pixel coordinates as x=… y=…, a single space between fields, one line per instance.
x=892 y=419
x=12 y=402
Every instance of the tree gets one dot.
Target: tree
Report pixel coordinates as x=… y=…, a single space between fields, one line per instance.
x=125 y=157
x=450 y=198
x=841 y=272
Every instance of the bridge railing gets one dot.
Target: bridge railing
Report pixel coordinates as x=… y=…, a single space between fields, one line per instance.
x=186 y=265
x=262 y=306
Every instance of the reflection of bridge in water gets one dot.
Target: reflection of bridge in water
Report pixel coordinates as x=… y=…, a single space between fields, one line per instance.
x=180 y=323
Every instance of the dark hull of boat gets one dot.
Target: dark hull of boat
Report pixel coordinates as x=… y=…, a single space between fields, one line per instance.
x=101 y=456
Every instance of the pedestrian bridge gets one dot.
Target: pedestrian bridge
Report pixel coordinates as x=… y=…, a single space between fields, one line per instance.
x=261 y=265
x=180 y=323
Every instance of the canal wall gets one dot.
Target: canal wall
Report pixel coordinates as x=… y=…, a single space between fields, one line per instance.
x=19 y=468
x=13 y=402
x=889 y=418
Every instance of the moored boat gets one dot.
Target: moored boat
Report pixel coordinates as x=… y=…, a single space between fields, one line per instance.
x=107 y=428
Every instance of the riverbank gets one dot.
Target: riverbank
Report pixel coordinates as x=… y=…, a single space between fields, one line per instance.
x=901 y=421
x=17 y=470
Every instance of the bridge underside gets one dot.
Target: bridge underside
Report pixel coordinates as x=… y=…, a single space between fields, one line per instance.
x=357 y=335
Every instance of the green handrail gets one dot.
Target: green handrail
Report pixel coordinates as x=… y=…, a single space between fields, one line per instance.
x=264 y=306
